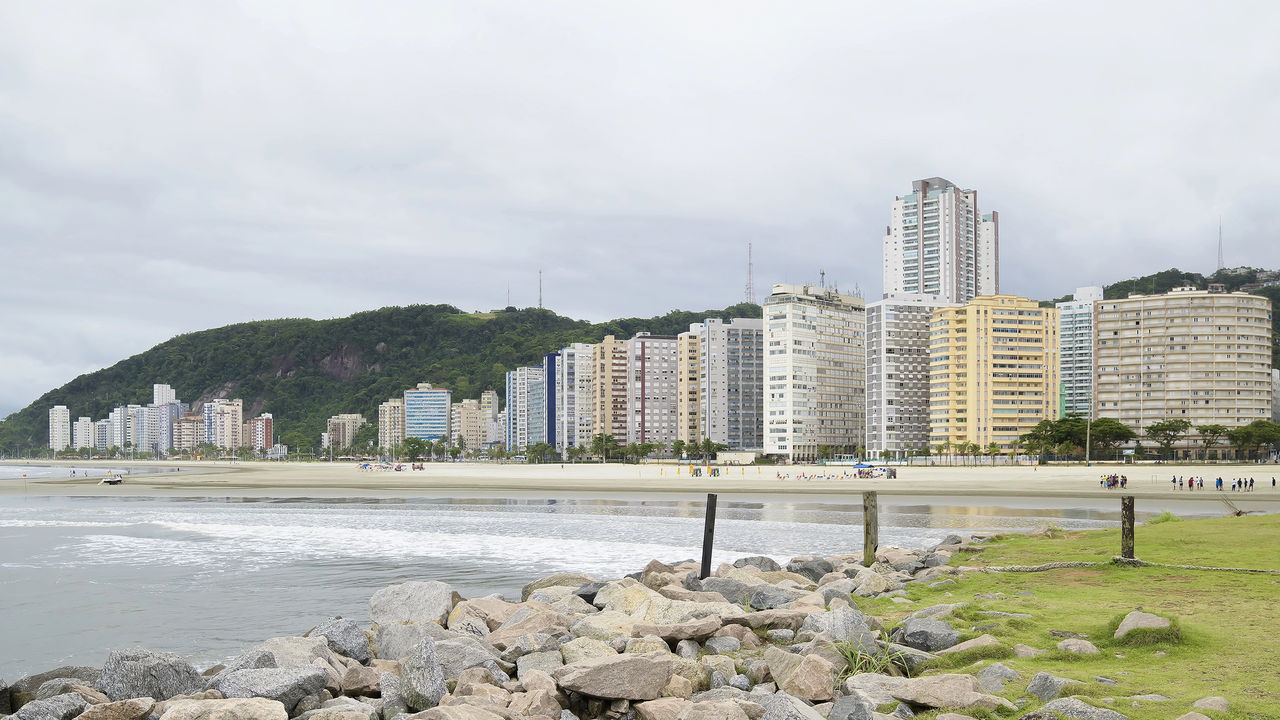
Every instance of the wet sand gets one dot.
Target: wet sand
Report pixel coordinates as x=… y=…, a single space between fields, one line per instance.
x=318 y=479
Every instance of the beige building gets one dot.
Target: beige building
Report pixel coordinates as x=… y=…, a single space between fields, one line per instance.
x=391 y=424
x=1198 y=355
x=188 y=432
x=227 y=424
x=491 y=415
x=689 y=384
x=993 y=371
x=609 y=388
x=341 y=430
x=467 y=424
x=651 y=389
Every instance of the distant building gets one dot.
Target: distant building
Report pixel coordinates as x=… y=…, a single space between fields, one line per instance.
x=609 y=389
x=341 y=430
x=898 y=374
x=689 y=428
x=1275 y=395
x=391 y=424
x=467 y=424
x=551 y=397
x=491 y=415
x=938 y=243
x=261 y=432
x=720 y=383
x=1075 y=359
x=652 y=384
x=526 y=409
x=102 y=434
x=426 y=412
x=59 y=428
x=573 y=383
x=814 y=372
x=83 y=434
x=188 y=432
x=162 y=395
x=993 y=371
x=224 y=422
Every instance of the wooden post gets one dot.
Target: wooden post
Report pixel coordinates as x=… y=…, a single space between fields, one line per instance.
x=1126 y=527
x=708 y=536
x=870 y=528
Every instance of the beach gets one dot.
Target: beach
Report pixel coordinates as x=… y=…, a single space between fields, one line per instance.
x=321 y=479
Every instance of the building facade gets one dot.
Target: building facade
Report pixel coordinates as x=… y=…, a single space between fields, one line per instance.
x=1075 y=358
x=814 y=372
x=83 y=434
x=340 y=430
x=391 y=424
x=651 y=389
x=609 y=389
x=720 y=386
x=59 y=428
x=993 y=372
x=938 y=243
x=574 y=380
x=426 y=412
x=525 y=408
x=1197 y=355
x=467 y=424
x=491 y=412
x=261 y=432
x=898 y=374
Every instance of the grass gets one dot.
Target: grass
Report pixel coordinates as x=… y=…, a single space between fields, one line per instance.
x=1163 y=517
x=1220 y=643
x=884 y=661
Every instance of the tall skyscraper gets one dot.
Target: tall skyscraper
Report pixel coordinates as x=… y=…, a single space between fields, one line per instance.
x=938 y=243
x=651 y=389
x=898 y=374
x=993 y=371
x=526 y=408
x=551 y=396
x=574 y=378
x=426 y=412
x=1199 y=355
x=609 y=389
x=720 y=383
x=814 y=372
x=1075 y=359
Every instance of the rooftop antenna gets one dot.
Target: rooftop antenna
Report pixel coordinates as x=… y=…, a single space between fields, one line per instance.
x=751 y=283
x=508 y=293
x=539 y=288
x=1221 y=264
x=822 y=279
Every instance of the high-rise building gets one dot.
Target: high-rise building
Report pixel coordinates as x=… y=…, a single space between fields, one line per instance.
x=526 y=408
x=391 y=424
x=551 y=395
x=102 y=434
x=341 y=430
x=609 y=389
x=1199 y=355
x=83 y=434
x=719 y=383
x=1075 y=358
x=1275 y=395
x=426 y=412
x=468 y=424
x=814 y=371
x=491 y=414
x=898 y=374
x=139 y=438
x=993 y=371
x=260 y=434
x=938 y=243
x=59 y=428
x=189 y=432
x=224 y=422
x=651 y=389
x=162 y=394
x=573 y=380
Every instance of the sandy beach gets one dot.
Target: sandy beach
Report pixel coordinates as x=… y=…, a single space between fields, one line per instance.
x=348 y=480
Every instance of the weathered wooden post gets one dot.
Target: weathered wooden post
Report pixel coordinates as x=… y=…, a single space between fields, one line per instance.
x=870 y=528
x=708 y=536
x=1126 y=527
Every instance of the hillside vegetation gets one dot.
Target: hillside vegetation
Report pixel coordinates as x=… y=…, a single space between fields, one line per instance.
x=303 y=371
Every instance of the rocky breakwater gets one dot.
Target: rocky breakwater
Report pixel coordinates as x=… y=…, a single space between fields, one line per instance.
x=753 y=641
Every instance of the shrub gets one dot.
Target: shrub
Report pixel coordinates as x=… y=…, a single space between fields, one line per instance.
x=883 y=660
x=1164 y=517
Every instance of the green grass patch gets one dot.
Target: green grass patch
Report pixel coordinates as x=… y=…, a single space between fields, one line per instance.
x=1143 y=637
x=968 y=657
x=1163 y=517
x=884 y=661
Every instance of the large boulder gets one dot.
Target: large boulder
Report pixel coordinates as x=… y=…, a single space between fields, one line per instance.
x=630 y=676
x=812 y=569
x=768 y=597
x=346 y=638
x=460 y=712
x=413 y=602
x=23 y=690
x=585 y=648
x=458 y=654
x=297 y=651
x=284 y=685
x=398 y=640
x=252 y=660
x=1140 y=621
x=528 y=621
x=58 y=707
x=784 y=707
x=811 y=677
x=693 y=630
x=978 y=642
x=767 y=564
x=842 y=625
x=1047 y=687
x=423 y=677
x=952 y=691
x=1080 y=710
x=576 y=580
x=928 y=635
x=604 y=626
x=255 y=708
x=131 y=709
x=856 y=705
x=1079 y=646
x=143 y=673
x=993 y=677
x=61 y=686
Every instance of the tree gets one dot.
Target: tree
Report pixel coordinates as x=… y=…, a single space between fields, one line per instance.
x=1108 y=433
x=1167 y=432
x=414 y=449
x=993 y=450
x=678 y=448
x=1211 y=436
x=539 y=452
x=603 y=445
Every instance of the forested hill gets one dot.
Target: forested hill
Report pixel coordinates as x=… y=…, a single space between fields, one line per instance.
x=303 y=371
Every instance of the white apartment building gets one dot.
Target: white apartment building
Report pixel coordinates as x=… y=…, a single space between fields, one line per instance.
x=491 y=413
x=1075 y=355
x=815 y=372
x=83 y=434
x=391 y=423
x=224 y=422
x=102 y=434
x=526 y=400
x=573 y=410
x=721 y=385
x=1199 y=355
x=898 y=374
x=652 y=386
x=59 y=428
x=162 y=394
x=938 y=243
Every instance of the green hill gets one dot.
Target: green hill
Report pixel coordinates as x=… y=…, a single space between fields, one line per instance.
x=303 y=371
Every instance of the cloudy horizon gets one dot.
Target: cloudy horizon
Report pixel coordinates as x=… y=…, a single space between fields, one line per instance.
x=168 y=167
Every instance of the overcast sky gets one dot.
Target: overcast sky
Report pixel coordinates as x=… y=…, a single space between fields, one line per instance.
x=173 y=166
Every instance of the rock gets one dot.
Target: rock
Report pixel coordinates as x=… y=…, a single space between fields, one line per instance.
x=1026 y=651
x=667 y=708
x=1140 y=621
x=734 y=591
x=785 y=707
x=714 y=711
x=928 y=634
x=413 y=602
x=62 y=686
x=936 y=612
x=360 y=681
x=911 y=657
x=842 y=625
x=345 y=638
x=285 y=685
x=790 y=619
x=953 y=716
x=604 y=626
x=1080 y=710
x=1047 y=687
x=540 y=703
x=58 y=707
x=856 y=705
x=953 y=691
x=812 y=569
x=582 y=648
x=392 y=687
x=294 y=652
x=1069 y=634
x=252 y=660
x=647 y=644
x=573 y=605
x=678 y=687
x=1078 y=646
x=978 y=642
x=1150 y=697
x=462 y=652
x=676 y=592
x=546 y=662
x=131 y=709
x=722 y=645
x=161 y=707
x=577 y=580
x=837 y=590
x=811 y=677
x=869 y=583
x=143 y=673
x=423 y=677
x=24 y=689
x=1213 y=702
x=1194 y=716
x=767 y=564
x=780 y=636
x=692 y=630
x=398 y=640
x=993 y=677
x=768 y=597
x=232 y=709
x=633 y=677
x=689 y=649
